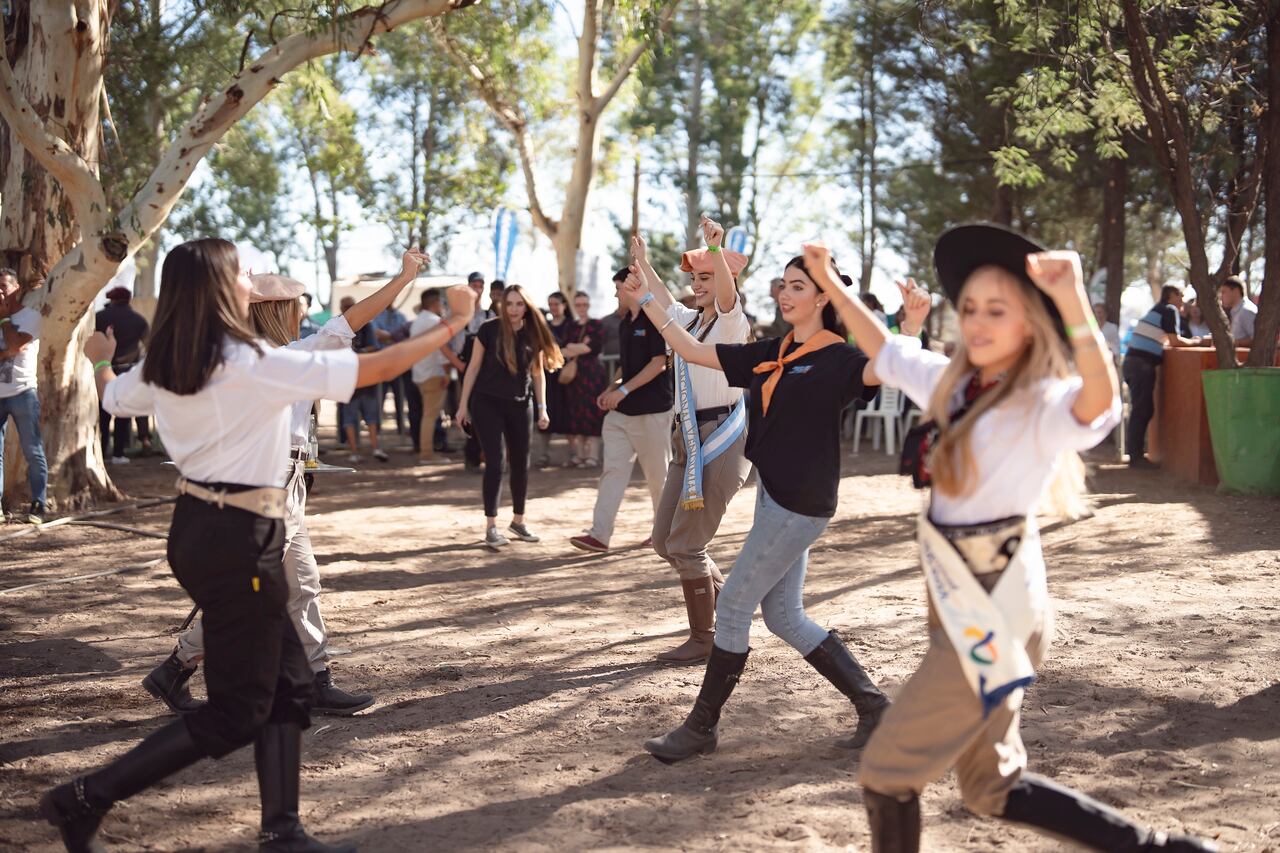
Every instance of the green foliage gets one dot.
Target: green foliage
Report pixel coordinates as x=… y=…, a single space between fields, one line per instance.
x=448 y=166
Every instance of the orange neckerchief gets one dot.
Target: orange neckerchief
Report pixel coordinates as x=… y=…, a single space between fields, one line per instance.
x=821 y=340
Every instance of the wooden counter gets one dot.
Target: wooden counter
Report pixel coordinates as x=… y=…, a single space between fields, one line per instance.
x=1179 y=436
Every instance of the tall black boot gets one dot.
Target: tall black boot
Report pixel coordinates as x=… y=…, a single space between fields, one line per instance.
x=278 y=755
x=168 y=683
x=833 y=660
x=895 y=825
x=1069 y=814
x=698 y=735
x=77 y=807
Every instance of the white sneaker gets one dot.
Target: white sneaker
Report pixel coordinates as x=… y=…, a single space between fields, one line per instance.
x=494 y=540
x=119 y=460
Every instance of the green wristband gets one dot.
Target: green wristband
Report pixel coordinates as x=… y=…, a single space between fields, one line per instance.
x=98 y=365
x=4 y=320
x=713 y=249
x=1085 y=329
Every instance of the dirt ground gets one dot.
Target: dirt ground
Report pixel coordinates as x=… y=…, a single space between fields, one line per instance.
x=514 y=689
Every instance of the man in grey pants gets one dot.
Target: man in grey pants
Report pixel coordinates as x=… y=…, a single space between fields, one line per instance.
x=638 y=423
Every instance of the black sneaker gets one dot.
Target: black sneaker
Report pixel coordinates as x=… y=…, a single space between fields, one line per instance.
x=35 y=514
x=336 y=701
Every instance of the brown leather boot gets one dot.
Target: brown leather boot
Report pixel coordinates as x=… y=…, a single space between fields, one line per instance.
x=700 y=604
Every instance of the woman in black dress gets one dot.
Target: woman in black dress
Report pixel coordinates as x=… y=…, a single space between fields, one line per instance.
x=584 y=418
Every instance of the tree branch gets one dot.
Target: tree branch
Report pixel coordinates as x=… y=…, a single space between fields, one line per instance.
x=624 y=71
x=509 y=115
x=152 y=204
x=81 y=185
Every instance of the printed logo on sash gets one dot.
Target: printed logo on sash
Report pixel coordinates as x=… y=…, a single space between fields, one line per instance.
x=988 y=630
x=800 y=368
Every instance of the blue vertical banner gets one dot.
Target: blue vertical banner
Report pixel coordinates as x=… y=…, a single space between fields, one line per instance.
x=736 y=240
x=505 y=231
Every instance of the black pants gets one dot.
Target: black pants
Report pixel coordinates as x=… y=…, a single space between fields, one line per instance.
x=396 y=387
x=1140 y=375
x=413 y=400
x=231 y=562
x=119 y=440
x=493 y=419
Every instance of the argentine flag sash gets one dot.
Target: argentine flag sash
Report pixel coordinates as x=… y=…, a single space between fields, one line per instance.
x=989 y=631
x=700 y=453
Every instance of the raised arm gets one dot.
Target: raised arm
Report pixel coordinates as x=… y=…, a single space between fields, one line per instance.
x=362 y=313
x=1058 y=274
x=387 y=364
x=726 y=291
x=689 y=348
x=867 y=329
x=640 y=259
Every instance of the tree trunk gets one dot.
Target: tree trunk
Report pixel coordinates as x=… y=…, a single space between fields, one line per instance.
x=1170 y=144
x=692 y=188
x=55 y=223
x=1263 y=352
x=1114 y=195
x=58 y=62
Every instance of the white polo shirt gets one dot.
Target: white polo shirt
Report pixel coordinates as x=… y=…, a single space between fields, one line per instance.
x=710 y=388
x=236 y=428
x=1015 y=446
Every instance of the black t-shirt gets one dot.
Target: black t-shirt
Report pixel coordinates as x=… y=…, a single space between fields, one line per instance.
x=495 y=378
x=796 y=448
x=638 y=344
x=129 y=327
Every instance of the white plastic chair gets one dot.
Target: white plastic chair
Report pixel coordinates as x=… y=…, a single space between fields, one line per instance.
x=885 y=413
x=910 y=417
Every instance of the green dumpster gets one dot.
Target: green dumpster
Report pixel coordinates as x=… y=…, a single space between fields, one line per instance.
x=1243 y=407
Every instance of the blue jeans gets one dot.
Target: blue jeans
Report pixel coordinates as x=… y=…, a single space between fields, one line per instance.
x=770 y=573
x=25 y=411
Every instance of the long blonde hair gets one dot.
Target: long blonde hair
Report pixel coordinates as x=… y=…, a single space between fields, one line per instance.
x=951 y=462
x=277 y=320
x=535 y=324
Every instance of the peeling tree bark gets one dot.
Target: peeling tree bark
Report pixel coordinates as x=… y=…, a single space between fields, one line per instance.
x=55 y=221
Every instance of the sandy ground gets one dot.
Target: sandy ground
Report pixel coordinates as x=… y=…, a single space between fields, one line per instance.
x=514 y=689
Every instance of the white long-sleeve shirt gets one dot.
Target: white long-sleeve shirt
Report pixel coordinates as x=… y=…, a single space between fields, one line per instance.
x=1015 y=445
x=236 y=428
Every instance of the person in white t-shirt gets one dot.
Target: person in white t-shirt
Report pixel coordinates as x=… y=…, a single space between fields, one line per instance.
x=19 y=351
x=224 y=402
x=1030 y=385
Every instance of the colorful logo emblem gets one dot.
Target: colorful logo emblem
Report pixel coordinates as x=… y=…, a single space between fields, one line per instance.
x=986 y=640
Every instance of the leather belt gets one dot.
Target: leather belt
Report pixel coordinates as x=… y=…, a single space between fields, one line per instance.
x=298 y=453
x=266 y=501
x=714 y=413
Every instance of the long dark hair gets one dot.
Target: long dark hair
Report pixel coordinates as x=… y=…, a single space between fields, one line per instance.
x=830 y=319
x=195 y=314
x=535 y=331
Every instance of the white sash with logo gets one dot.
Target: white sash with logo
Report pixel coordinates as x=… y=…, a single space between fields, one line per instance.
x=989 y=631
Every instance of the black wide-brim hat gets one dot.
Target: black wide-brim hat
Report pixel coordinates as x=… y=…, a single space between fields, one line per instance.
x=965 y=248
